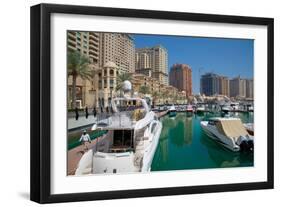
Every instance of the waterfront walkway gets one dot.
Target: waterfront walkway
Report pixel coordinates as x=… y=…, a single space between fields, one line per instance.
x=74 y=155
x=82 y=122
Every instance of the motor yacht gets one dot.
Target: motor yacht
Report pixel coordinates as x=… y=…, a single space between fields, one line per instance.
x=226 y=108
x=200 y=108
x=172 y=112
x=234 y=106
x=129 y=145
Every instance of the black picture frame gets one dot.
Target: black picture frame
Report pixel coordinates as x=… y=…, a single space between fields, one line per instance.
x=41 y=95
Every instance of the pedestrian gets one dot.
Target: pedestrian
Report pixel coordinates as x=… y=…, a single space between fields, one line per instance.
x=107 y=110
x=86 y=111
x=76 y=113
x=94 y=111
x=85 y=140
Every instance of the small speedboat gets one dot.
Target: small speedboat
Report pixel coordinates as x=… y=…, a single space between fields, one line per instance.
x=226 y=108
x=229 y=132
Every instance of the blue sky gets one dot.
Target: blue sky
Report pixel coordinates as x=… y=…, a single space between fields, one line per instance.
x=229 y=57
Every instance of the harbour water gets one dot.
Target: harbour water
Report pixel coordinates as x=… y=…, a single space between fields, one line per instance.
x=183 y=145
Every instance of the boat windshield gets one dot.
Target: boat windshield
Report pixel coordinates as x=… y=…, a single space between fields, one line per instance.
x=124 y=114
x=128 y=105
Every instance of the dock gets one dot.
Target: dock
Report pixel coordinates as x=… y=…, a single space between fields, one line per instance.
x=161 y=113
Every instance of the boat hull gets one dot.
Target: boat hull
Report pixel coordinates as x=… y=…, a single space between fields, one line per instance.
x=223 y=141
x=172 y=113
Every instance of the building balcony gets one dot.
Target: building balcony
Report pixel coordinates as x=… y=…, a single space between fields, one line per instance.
x=93 y=38
x=71 y=36
x=70 y=42
x=94 y=42
x=71 y=47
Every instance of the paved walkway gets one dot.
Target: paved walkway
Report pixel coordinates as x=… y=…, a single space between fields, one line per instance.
x=81 y=122
x=74 y=155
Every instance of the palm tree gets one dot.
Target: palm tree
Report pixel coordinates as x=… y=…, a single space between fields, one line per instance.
x=77 y=65
x=121 y=78
x=155 y=96
x=144 y=89
x=161 y=96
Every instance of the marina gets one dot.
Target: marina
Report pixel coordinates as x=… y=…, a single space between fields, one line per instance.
x=182 y=144
x=134 y=110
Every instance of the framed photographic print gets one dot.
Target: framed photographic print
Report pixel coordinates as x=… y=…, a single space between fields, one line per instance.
x=131 y=103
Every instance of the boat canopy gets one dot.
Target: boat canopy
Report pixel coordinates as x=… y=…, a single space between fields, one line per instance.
x=231 y=128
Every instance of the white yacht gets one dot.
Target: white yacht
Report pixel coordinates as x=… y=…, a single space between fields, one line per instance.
x=226 y=108
x=200 y=108
x=229 y=132
x=250 y=108
x=172 y=111
x=130 y=143
x=234 y=106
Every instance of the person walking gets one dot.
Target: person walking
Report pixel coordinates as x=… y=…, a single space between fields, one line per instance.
x=94 y=111
x=76 y=113
x=85 y=139
x=86 y=111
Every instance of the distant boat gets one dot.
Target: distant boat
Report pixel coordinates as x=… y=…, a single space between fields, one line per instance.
x=200 y=108
x=226 y=108
x=172 y=112
x=250 y=108
x=229 y=132
x=189 y=109
x=234 y=106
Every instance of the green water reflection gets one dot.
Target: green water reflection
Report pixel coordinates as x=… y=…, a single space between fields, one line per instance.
x=183 y=145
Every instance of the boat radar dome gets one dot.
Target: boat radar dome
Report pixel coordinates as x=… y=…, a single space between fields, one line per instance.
x=127 y=86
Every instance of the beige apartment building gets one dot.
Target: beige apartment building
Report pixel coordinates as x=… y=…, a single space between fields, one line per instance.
x=240 y=87
x=154 y=58
x=223 y=85
x=118 y=48
x=165 y=93
x=110 y=54
x=250 y=88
